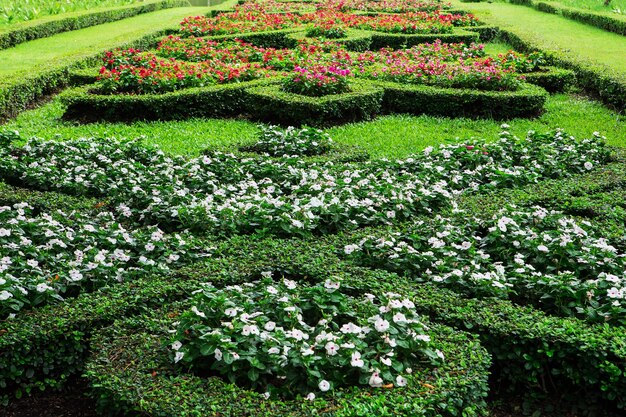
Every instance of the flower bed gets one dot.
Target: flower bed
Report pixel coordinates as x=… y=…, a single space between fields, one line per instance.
x=226 y=194
x=148 y=381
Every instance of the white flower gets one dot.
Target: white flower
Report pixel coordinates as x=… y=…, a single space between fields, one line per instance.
x=289 y=284
x=178 y=357
x=5 y=295
x=32 y=263
x=386 y=361
x=5 y=232
x=381 y=325
x=270 y=289
x=266 y=395
x=356 y=361
x=273 y=351
x=75 y=275
x=270 y=326
x=543 y=248
x=440 y=354
x=399 y=318
x=331 y=285
x=266 y=274
x=422 y=337
x=331 y=348
x=310 y=396
x=324 y=385
x=588 y=165
x=230 y=312
x=249 y=329
x=350 y=248
x=176 y=345
x=43 y=287
x=198 y=312
x=401 y=381
x=218 y=355
x=375 y=380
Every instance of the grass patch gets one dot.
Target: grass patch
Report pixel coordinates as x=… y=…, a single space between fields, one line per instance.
x=388 y=136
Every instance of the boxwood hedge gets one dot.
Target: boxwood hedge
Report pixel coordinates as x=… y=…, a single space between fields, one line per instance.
x=456 y=102
x=270 y=103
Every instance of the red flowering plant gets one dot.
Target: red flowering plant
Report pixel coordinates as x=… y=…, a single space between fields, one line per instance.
x=318 y=80
x=389 y=6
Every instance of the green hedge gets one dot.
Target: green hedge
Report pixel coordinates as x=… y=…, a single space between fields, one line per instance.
x=45 y=201
x=271 y=39
x=459 y=102
x=486 y=33
x=213 y=101
x=552 y=79
x=271 y=104
x=131 y=369
x=396 y=40
x=41 y=28
x=608 y=84
x=538 y=354
x=42 y=348
x=356 y=40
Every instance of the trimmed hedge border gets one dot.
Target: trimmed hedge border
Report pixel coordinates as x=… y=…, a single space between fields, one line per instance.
x=552 y=79
x=396 y=41
x=42 y=28
x=459 y=102
x=533 y=351
x=131 y=369
x=269 y=103
x=213 y=101
x=264 y=100
x=356 y=40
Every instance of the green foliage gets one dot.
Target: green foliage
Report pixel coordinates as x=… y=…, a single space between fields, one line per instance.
x=133 y=370
x=276 y=106
x=396 y=41
x=456 y=102
x=552 y=79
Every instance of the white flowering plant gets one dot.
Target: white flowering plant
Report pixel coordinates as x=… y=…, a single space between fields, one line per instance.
x=291 y=142
x=283 y=338
x=47 y=256
x=531 y=255
x=225 y=193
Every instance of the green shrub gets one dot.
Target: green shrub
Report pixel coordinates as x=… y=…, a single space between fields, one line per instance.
x=456 y=102
x=218 y=100
x=397 y=41
x=552 y=79
x=132 y=370
x=271 y=39
x=42 y=28
x=276 y=106
x=356 y=40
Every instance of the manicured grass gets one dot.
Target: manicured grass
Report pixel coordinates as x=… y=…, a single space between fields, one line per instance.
x=67 y=47
x=555 y=32
x=388 y=136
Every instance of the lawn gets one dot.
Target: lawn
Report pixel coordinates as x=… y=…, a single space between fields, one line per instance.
x=318 y=212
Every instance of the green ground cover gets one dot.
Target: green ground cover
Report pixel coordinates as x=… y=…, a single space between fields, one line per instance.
x=14 y=11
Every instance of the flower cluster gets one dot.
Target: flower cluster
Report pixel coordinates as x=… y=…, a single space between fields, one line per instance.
x=228 y=194
x=283 y=338
x=318 y=80
x=313 y=67
x=277 y=142
x=522 y=63
x=245 y=21
x=534 y=256
x=46 y=256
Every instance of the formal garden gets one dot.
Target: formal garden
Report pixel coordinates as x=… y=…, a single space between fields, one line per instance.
x=311 y=208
